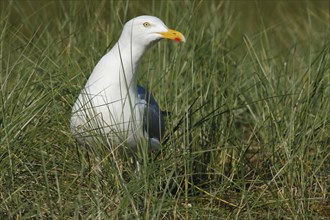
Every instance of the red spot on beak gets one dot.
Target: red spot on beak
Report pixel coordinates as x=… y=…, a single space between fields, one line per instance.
x=177 y=39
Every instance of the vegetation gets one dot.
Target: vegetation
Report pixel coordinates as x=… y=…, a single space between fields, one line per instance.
x=249 y=92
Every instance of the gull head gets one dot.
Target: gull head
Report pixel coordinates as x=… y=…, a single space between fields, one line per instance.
x=146 y=30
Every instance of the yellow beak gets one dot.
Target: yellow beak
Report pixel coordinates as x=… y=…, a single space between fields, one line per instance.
x=173 y=35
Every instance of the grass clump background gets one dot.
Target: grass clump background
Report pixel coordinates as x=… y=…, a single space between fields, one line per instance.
x=249 y=92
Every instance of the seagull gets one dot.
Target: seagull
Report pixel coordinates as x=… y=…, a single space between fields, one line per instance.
x=112 y=105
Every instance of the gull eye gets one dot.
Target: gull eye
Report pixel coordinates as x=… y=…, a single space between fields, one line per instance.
x=146 y=24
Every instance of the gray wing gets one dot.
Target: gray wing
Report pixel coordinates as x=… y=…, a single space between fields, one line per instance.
x=153 y=119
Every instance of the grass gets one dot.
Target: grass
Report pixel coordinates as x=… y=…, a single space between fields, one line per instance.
x=249 y=134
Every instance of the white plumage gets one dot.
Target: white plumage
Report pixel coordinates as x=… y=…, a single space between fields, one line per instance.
x=112 y=105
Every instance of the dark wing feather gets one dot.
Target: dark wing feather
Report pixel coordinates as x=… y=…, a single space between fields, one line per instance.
x=153 y=119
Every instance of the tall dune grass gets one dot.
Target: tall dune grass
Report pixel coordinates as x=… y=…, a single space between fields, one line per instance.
x=249 y=133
